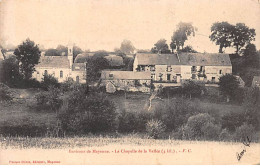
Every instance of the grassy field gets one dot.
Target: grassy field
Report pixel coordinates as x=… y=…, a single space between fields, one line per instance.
x=19 y=112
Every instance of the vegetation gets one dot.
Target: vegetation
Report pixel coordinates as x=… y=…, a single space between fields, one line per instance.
x=27 y=54
x=161 y=46
x=184 y=30
x=227 y=35
x=127 y=47
x=228 y=85
x=49 y=81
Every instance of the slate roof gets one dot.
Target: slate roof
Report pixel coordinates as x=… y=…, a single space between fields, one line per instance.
x=194 y=59
x=54 y=61
x=128 y=75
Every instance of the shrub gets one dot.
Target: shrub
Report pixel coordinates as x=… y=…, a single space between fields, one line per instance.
x=5 y=94
x=211 y=131
x=49 y=80
x=67 y=85
x=192 y=89
x=155 y=128
x=225 y=135
x=48 y=100
x=232 y=120
x=127 y=122
x=82 y=113
x=243 y=132
x=197 y=125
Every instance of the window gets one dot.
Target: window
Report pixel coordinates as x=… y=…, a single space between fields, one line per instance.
x=77 y=79
x=153 y=76
x=168 y=77
x=213 y=79
x=193 y=76
x=220 y=71
x=169 y=69
x=45 y=72
x=38 y=72
x=152 y=68
x=193 y=69
x=61 y=74
x=110 y=75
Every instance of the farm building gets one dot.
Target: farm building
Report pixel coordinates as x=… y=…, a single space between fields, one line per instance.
x=126 y=80
x=61 y=67
x=172 y=68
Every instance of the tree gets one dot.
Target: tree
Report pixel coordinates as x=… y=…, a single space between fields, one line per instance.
x=228 y=85
x=27 y=54
x=242 y=35
x=221 y=34
x=173 y=46
x=161 y=46
x=9 y=71
x=184 y=30
x=127 y=47
x=192 y=88
x=251 y=57
x=188 y=49
x=95 y=64
x=227 y=35
x=52 y=52
x=62 y=50
x=76 y=50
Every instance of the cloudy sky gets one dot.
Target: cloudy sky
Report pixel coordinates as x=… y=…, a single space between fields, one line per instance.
x=104 y=24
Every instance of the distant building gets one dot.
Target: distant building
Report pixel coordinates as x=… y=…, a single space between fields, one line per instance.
x=172 y=68
x=256 y=81
x=61 y=67
x=126 y=81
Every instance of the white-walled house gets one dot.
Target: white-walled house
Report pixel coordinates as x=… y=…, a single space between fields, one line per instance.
x=172 y=68
x=126 y=81
x=61 y=67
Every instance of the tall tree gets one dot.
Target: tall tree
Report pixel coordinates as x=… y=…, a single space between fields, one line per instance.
x=161 y=46
x=242 y=35
x=184 y=30
x=228 y=85
x=251 y=57
x=127 y=47
x=227 y=35
x=221 y=34
x=27 y=54
x=62 y=50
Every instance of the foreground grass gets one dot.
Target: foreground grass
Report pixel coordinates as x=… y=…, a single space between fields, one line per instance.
x=77 y=142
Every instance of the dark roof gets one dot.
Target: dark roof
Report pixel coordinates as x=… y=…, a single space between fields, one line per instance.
x=81 y=58
x=195 y=59
x=54 y=61
x=130 y=75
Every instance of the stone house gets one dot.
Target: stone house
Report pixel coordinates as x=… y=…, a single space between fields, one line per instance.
x=172 y=68
x=126 y=81
x=61 y=67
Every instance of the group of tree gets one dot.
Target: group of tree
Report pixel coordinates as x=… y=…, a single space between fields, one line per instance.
x=226 y=35
x=61 y=50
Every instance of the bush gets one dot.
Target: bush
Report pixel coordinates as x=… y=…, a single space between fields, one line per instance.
x=192 y=89
x=67 y=85
x=5 y=94
x=211 y=131
x=83 y=114
x=175 y=113
x=243 y=132
x=155 y=128
x=225 y=135
x=232 y=120
x=48 y=100
x=197 y=125
x=49 y=80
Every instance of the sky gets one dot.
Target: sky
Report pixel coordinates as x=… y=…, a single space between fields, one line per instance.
x=104 y=24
